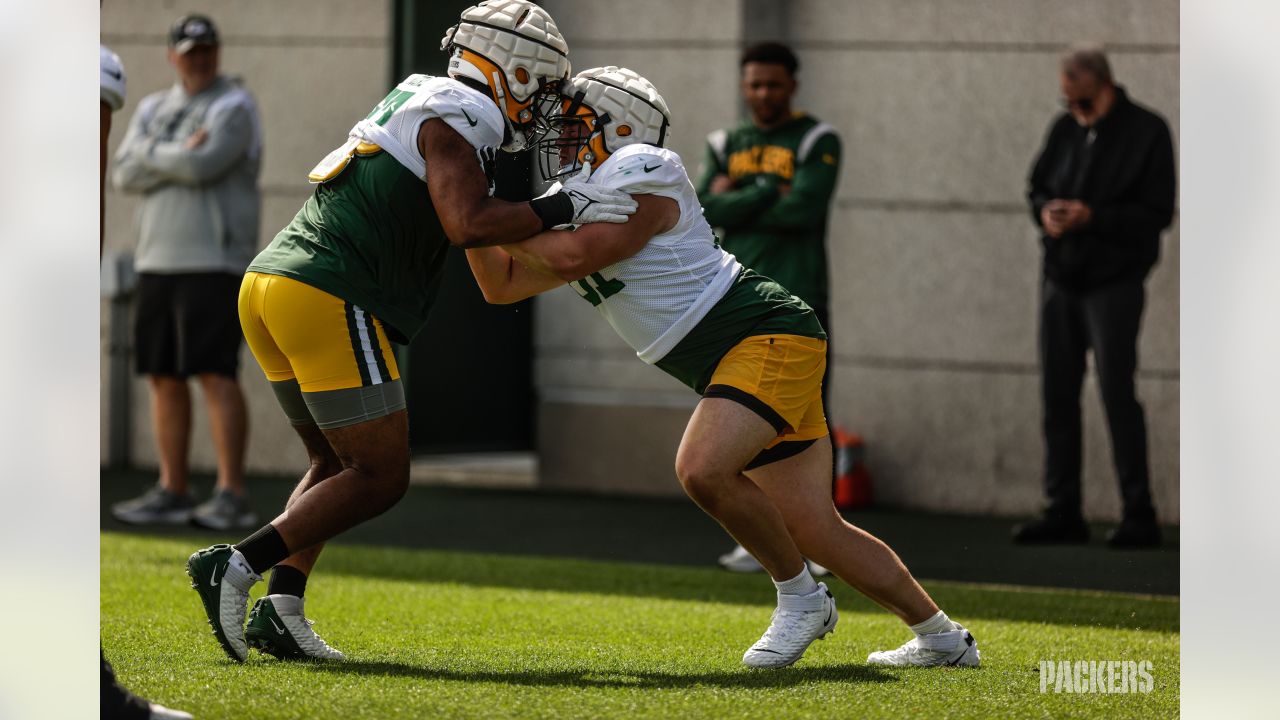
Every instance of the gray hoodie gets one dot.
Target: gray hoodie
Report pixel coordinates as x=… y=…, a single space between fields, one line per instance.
x=200 y=206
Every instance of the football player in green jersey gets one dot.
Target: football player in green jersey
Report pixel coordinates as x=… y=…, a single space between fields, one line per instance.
x=358 y=267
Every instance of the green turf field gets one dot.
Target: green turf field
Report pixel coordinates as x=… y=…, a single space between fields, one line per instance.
x=452 y=634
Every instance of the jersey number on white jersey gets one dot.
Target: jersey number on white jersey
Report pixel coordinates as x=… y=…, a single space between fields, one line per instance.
x=383 y=111
x=335 y=162
x=603 y=289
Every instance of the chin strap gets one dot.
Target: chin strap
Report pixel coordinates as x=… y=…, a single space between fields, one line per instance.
x=517 y=142
x=598 y=132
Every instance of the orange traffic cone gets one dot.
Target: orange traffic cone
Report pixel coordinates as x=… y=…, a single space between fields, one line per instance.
x=853 y=482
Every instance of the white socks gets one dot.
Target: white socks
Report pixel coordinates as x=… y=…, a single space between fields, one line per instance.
x=802 y=584
x=939 y=623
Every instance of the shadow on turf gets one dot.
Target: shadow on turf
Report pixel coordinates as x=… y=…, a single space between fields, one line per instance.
x=674 y=532
x=588 y=544
x=620 y=678
x=967 y=603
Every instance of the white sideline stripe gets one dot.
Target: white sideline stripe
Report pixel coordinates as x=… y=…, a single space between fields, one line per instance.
x=493 y=470
x=374 y=376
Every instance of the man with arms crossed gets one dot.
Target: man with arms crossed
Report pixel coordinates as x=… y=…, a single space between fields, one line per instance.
x=359 y=266
x=756 y=454
x=193 y=152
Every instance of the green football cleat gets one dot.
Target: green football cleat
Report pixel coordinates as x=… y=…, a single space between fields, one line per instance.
x=223 y=579
x=278 y=627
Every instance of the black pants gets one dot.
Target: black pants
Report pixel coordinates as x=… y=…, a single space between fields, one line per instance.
x=117 y=702
x=1106 y=320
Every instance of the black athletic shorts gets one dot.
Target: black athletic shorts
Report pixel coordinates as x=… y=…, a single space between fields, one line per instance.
x=187 y=324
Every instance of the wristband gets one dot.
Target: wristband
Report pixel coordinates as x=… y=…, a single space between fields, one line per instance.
x=552 y=210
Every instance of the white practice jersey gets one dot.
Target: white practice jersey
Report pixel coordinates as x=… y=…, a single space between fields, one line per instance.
x=394 y=124
x=111 y=78
x=655 y=297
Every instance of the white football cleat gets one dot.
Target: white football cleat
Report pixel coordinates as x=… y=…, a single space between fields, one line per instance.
x=797 y=622
x=160 y=712
x=956 y=648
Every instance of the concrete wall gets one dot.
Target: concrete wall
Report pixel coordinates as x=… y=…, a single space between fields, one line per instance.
x=942 y=107
x=315 y=66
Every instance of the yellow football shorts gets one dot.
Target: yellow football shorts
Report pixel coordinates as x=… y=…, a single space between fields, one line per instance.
x=331 y=350
x=779 y=377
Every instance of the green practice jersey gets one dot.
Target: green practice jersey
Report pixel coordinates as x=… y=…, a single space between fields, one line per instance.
x=781 y=237
x=369 y=236
x=369 y=233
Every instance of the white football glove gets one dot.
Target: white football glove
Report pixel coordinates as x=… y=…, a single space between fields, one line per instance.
x=596 y=203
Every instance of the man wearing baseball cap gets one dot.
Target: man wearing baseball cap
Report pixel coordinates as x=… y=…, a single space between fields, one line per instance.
x=193 y=153
x=192 y=30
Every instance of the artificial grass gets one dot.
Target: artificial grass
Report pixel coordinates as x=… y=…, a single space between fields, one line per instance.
x=458 y=635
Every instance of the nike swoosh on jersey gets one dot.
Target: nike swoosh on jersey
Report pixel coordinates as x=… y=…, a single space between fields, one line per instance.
x=651 y=169
x=470 y=119
x=113 y=73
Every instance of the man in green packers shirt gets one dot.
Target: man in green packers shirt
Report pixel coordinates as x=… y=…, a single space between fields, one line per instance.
x=767 y=184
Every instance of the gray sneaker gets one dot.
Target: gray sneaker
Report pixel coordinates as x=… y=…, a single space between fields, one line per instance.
x=225 y=511
x=156 y=506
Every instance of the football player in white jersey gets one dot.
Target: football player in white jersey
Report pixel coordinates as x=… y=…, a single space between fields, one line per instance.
x=358 y=266
x=111 y=98
x=756 y=455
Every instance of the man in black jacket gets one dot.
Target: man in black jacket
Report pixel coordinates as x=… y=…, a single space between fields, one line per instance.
x=1101 y=190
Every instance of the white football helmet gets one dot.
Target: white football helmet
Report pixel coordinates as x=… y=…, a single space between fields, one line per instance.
x=602 y=110
x=514 y=50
